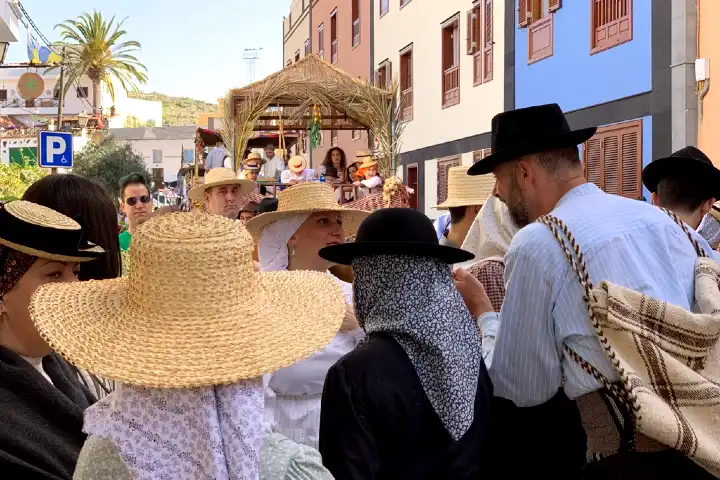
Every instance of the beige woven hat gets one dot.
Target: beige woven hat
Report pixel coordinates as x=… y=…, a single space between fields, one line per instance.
x=362 y=155
x=306 y=197
x=297 y=164
x=220 y=176
x=154 y=329
x=253 y=156
x=465 y=190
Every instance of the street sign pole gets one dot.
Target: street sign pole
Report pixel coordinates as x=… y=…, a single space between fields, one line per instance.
x=61 y=100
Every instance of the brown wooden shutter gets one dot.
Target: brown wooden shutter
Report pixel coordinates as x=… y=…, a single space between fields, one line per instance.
x=554 y=5
x=613 y=159
x=442 y=177
x=388 y=74
x=611 y=164
x=631 y=161
x=523 y=19
x=471 y=42
x=592 y=161
x=376 y=80
x=488 y=42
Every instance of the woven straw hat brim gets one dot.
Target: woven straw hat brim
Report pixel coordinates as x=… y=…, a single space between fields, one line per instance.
x=351 y=219
x=197 y=194
x=461 y=202
x=95 y=327
x=83 y=255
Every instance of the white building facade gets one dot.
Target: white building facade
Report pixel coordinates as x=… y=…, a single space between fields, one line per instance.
x=448 y=59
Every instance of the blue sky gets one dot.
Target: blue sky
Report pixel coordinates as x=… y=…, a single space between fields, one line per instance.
x=191 y=48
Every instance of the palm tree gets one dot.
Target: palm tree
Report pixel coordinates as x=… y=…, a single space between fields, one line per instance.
x=94 y=47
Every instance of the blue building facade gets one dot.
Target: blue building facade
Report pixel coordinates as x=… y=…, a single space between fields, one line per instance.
x=606 y=63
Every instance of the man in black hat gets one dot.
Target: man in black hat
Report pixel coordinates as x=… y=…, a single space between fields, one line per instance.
x=686 y=183
x=535 y=160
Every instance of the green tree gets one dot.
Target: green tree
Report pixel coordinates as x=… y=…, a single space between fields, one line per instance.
x=15 y=179
x=131 y=122
x=109 y=161
x=96 y=47
x=150 y=123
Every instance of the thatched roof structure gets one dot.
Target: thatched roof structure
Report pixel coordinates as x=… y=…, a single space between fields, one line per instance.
x=285 y=100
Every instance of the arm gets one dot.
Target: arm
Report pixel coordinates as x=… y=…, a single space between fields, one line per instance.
x=372 y=182
x=525 y=364
x=285 y=176
x=347 y=442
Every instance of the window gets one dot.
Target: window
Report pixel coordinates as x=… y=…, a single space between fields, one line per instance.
x=333 y=37
x=289 y=62
x=406 y=82
x=82 y=92
x=159 y=177
x=612 y=159
x=537 y=16
x=412 y=182
x=321 y=41
x=307 y=47
x=610 y=23
x=188 y=155
x=355 y=23
x=3 y=95
x=383 y=76
x=442 y=176
x=404 y=2
x=480 y=40
x=384 y=7
x=297 y=56
x=157 y=156
x=333 y=138
x=356 y=134
x=322 y=139
x=451 y=62
x=29 y=103
x=480 y=154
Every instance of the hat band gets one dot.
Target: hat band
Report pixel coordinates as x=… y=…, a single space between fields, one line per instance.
x=45 y=239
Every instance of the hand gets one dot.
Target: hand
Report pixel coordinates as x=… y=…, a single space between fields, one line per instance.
x=350 y=322
x=256 y=266
x=473 y=292
x=357 y=183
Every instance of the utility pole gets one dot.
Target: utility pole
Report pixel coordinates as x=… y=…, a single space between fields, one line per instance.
x=61 y=99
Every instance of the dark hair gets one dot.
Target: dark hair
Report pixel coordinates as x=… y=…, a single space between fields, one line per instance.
x=457 y=214
x=557 y=160
x=267 y=205
x=327 y=162
x=73 y=195
x=683 y=192
x=131 y=179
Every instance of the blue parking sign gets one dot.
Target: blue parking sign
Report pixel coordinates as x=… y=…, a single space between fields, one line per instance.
x=55 y=149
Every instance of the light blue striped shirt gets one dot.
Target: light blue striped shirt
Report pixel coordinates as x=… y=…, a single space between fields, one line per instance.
x=628 y=242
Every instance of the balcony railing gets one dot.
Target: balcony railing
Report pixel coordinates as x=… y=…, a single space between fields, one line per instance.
x=451 y=86
x=25 y=104
x=334 y=51
x=356 y=32
x=407 y=103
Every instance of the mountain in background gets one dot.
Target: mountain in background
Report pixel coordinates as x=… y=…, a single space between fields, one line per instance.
x=178 y=110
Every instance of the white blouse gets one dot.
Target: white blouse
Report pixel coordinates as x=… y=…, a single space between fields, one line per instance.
x=293 y=394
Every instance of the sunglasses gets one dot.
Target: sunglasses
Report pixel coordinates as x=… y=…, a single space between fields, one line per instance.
x=133 y=200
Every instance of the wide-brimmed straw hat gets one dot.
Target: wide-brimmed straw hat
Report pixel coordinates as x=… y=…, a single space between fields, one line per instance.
x=465 y=190
x=395 y=231
x=307 y=197
x=297 y=164
x=525 y=131
x=252 y=164
x=362 y=155
x=368 y=162
x=688 y=161
x=42 y=232
x=220 y=176
x=154 y=329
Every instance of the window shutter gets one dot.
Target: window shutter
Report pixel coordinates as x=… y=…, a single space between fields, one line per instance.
x=631 y=162
x=611 y=164
x=554 y=5
x=592 y=160
x=376 y=80
x=523 y=17
x=488 y=42
x=471 y=41
x=613 y=159
x=388 y=74
x=442 y=177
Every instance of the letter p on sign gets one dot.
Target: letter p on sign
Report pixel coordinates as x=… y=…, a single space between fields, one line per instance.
x=55 y=146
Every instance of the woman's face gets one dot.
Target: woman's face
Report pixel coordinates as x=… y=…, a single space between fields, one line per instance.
x=320 y=230
x=335 y=157
x=370 y=172
x=17 y=331
x=250 y=175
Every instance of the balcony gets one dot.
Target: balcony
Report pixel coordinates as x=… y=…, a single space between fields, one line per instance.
x=334 y=51
x=9 y=21
x=356 y=33
x=407 y=103
x=19 y=106
x=451 y=86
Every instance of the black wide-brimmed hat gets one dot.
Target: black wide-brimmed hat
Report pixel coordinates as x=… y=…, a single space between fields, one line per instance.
x=395 y=231
x=42 y=232
x=526 y=131
x=688 y=161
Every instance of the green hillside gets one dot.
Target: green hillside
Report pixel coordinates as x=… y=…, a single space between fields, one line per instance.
x=178 y=110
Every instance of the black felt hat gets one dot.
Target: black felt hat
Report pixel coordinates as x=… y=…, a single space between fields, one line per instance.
x=267 y=205
x=686 y=161
x=526 y=131
x=395 y=231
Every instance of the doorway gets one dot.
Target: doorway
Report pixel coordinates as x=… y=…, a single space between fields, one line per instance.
x=412 y=182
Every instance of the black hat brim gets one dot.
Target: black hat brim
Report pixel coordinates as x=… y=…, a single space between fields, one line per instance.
x=669 y=166
x=552 y=142
x=345 y=253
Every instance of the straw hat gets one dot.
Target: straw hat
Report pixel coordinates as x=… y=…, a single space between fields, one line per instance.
x=362 y=155
x=149 y=331
x=465 y=190
x=307 y=197
x=253 y=156
x=368 y=162
x=42 y=232
x=220 y=176
x=297 y=164
x=252 y=164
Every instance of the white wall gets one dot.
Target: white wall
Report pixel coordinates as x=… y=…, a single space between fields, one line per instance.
x=142 y=110
x=15 y=105
x=419 y=23
x=172 y=151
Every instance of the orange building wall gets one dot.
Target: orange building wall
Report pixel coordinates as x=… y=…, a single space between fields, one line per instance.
x=709 y=47
x=355 y=61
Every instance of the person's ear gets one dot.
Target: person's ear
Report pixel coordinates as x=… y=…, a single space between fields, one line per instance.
x=707 y=206
x=655 y=199
x=3 y=309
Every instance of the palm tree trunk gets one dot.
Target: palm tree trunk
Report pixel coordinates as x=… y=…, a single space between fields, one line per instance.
x=96 y=97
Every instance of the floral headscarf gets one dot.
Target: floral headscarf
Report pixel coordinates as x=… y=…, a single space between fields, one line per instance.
x=13 y=265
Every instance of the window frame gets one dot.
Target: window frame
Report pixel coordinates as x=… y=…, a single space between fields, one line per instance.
x=355 y=14
x=445 y=163
x=321 y=41
x=85 y=92
x=451 y=24
x=157 y=153
x=380 y=8
x=406 y=52
x=333 y=37
x=594 y=48
x=403 y=3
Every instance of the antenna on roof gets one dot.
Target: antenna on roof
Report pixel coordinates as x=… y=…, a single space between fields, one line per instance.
x=251 y=55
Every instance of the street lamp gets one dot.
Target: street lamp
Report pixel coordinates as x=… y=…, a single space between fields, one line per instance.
x=4 y=46
x=83 y=119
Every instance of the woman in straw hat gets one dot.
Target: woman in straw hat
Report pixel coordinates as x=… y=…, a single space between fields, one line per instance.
x=41 y=397
x=190 y=400
x=307 y=219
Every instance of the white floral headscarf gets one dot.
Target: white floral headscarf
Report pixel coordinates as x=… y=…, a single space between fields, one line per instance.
x=272 y=248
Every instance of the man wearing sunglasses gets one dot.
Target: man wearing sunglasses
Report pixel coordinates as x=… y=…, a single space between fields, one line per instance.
x=136 y=204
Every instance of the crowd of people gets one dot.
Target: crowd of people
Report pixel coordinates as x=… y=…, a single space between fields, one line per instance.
x=542 y=328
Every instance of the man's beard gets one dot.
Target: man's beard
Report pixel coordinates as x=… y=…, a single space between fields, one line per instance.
x=517 y=206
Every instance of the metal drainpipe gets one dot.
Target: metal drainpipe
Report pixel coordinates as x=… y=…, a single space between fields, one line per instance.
x=701 y=98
